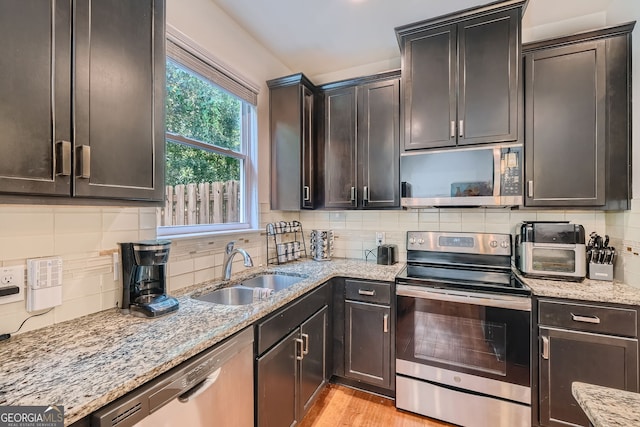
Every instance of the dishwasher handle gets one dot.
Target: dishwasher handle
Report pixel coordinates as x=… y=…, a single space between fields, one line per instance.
x=201 y=387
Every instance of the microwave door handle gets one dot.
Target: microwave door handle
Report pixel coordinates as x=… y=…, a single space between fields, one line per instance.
x=497 y=171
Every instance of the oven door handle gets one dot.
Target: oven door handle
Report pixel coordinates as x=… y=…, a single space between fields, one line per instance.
x=464 y=297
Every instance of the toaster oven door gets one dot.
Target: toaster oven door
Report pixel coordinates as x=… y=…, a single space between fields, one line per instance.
x=552 y=259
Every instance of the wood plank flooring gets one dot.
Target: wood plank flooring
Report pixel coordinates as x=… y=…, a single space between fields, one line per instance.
x=342 y=406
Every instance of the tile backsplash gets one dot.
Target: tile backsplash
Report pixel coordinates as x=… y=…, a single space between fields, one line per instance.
x=87 y=237
x=355 y=230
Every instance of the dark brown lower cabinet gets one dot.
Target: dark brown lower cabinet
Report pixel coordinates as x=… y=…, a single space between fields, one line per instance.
x=291 y=373
x=368 y=343
x=587 y=353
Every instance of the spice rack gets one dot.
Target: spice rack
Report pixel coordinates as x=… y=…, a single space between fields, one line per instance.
x=285 y=242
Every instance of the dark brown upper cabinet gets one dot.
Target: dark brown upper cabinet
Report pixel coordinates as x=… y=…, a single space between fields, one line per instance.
x=577 y=112
x=361 y=143
x=89 y=120
x=292 y=127
x=461 y=78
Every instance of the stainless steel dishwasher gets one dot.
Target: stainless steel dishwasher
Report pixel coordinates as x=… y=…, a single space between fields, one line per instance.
x=213 y=388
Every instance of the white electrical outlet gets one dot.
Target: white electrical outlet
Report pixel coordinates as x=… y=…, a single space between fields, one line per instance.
x=380 y=238
x=11 y=284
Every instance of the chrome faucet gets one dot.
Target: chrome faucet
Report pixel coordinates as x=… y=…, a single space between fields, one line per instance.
x=228 y=259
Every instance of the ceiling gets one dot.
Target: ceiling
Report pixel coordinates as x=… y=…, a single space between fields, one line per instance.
x=318 y=37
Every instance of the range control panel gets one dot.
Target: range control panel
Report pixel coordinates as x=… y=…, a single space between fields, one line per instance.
x=459 y=242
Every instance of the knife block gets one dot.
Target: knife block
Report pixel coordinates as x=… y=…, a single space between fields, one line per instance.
x=601 y=271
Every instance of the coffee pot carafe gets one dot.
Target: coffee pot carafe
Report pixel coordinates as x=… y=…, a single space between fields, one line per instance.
x=144 y=285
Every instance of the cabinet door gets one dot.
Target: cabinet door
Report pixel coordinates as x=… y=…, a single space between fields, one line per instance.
x=285 y=108
x=565 y=126
x=489 y=61
x=569 y=356
x=379 y=144
x=368 y=343
x=308 y=152
x=340 y=148
x=429 y=89
x=35 y=105
x=313 y=366
x=119 y=87
x=277 y=379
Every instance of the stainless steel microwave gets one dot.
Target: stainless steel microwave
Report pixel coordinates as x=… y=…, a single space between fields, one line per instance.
x=467 y=177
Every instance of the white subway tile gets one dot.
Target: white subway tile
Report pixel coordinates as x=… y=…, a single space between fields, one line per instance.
x=204 y=262
x=110 y=239
x=77 y=222
x=25 y=223
x=17 y=247
x=178 y=282
x=181 y=267
x=78 y=288
x=450 y=216
x=120 y=221
x=497 y=216
x=77 y=243
x=75 y=308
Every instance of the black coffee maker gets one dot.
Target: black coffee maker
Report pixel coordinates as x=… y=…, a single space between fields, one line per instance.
x=144 y=278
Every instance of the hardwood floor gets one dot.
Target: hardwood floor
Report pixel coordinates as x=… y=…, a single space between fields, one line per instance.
x=342 y=406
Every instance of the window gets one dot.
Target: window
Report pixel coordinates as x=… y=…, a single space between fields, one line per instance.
x=210 y=145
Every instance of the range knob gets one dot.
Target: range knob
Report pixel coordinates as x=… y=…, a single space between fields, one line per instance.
x=493 y=243
x=420 y=241
x=412 y=240
x=504 y=244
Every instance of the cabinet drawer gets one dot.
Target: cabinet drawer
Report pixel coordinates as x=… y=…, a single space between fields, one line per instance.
x=590 y=318
x=276 y=326
x=373 y=292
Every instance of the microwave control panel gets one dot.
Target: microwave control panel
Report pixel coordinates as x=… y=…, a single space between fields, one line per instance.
x=511 y=171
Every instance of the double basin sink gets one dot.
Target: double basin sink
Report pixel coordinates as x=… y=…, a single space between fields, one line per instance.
x=250 y=290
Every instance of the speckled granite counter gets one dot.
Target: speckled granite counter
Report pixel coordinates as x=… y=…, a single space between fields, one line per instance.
x=608 y=407
x=587 y=290
x=88 y=362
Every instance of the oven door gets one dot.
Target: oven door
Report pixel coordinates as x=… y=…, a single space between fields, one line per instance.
x=478 y=342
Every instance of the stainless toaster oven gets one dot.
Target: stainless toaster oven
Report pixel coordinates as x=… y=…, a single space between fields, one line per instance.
x=554 y=250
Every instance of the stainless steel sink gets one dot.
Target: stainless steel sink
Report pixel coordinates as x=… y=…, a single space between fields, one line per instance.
x=229 y=296
x=277 y=282
x=244 y=292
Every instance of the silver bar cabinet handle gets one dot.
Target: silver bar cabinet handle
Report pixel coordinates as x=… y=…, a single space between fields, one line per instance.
x=365 y=194
x=307 y=193
x=461 y=128
x=353 y=194
x=385 y=321
x=83 y=159
x=305 y=346
x=585 y=319
x=299 y=349
x=366 y=292
x=63 y=158
x=453 y=129
x=530 y=188
x=545 y=348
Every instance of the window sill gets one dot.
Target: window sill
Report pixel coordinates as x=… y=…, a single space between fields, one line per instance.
x=210 y=234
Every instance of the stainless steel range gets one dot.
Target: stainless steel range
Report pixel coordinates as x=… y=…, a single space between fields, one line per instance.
x=463 y=331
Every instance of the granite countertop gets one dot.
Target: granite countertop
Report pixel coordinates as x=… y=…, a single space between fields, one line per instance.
x=88 y=362
x=608 y=407
x=587 y=290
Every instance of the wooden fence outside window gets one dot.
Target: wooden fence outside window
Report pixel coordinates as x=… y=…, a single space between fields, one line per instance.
x=204 y=203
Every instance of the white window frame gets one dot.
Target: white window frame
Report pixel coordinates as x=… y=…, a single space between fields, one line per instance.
x=248 y=208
